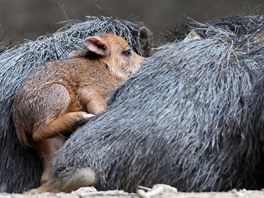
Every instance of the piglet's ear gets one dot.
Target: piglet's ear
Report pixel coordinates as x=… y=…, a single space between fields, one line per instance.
x=96 y=45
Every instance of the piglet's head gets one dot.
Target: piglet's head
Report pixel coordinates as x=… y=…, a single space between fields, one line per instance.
x=115 y=52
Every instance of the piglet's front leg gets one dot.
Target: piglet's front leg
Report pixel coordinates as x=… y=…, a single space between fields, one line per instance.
x=93 y=102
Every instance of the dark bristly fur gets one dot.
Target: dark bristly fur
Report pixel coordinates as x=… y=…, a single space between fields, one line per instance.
x=238 y=25
x=20 y=169
x=186 y=119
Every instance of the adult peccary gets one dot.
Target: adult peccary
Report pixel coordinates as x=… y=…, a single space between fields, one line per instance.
x=186 y=119
x=20 y=169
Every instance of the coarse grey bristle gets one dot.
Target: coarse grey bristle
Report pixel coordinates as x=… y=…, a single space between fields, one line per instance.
x=238 y=25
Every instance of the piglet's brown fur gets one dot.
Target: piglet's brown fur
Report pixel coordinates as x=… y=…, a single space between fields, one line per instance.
x=56 y=97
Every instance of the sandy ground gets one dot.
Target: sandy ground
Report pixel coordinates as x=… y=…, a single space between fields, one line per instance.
x=160 y=191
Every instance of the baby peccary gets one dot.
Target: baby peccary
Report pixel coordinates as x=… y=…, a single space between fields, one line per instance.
x=54 y=99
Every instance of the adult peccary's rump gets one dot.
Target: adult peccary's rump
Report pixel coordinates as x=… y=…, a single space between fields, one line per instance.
x=20 y=169
x=187 y=119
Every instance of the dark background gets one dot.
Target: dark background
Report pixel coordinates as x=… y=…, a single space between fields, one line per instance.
x=29 y=19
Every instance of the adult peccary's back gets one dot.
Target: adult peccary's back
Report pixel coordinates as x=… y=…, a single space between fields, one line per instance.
x=186 y=119
x=238 y=25
x=20 y=169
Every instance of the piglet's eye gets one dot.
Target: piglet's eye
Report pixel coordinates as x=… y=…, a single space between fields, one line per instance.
x=127 y=52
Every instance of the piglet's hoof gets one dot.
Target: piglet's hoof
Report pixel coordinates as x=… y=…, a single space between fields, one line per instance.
x=85 y=118
x=44 y=188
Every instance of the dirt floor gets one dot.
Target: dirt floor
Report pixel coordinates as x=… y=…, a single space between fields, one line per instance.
x=158 y=191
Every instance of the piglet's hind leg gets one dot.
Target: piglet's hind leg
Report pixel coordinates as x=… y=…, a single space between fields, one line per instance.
x=47 y=149
x=54 y=117
x=64 y=123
